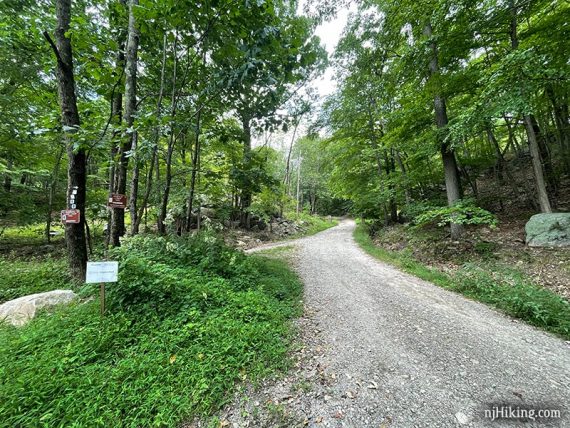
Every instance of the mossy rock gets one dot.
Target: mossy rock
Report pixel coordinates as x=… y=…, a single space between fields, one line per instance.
x=548 y=230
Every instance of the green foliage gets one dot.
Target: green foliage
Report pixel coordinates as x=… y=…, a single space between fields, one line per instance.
x=509 y=291
x=462 y=212
x=176 y=338
x=35 y=275
x=314 y=223
x=505 y=289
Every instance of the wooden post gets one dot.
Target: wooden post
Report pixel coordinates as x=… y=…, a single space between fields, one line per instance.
x=102 y=298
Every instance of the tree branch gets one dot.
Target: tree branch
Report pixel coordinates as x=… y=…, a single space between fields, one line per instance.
x=54 y=47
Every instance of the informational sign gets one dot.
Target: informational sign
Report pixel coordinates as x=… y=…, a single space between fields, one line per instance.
x=71 y=216
x=116 y=200
x=100 y=272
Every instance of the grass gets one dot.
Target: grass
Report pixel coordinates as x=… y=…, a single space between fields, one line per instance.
x=503 y=288
x=188 y=320
x=313 y=224
x=317 y=224
x=19 y=278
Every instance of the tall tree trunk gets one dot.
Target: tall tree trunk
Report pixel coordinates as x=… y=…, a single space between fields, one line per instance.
x=530 y=126
x=195 y=157
x=117 y=175
x=287 y=178
x=170 y=149
x=300 y=159
x=76 y=170
x=452 y=181
x=118 y=214
x=542 y=193
x=130 y=110
x=116 y=119
x=246 y=191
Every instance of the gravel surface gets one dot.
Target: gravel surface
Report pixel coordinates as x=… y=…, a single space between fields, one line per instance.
x=381 y=348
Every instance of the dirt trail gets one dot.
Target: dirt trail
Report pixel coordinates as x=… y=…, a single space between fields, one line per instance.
x=397 y=351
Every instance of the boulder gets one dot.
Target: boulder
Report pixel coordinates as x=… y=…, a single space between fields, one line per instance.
x=19 y=311
x=548 y=230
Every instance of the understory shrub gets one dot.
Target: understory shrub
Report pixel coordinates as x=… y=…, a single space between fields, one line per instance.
x=464 y=211
x=181 y=329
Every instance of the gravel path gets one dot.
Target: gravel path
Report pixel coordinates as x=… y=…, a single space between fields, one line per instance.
x=385 y=349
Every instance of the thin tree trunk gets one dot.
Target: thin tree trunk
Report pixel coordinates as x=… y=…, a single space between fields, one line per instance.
x=154 y=158
x=300 y=159
x=130 y=110
x=195 y=156
x=8 y=176
x=76 y=170
x=116 y=230
x=170 y=148
x=405 y=175
x=530 y=127
x=246 y=191
x=452 y=181
x=541 y=191
x=52 y=188
x=287 y=178
x=198 y=178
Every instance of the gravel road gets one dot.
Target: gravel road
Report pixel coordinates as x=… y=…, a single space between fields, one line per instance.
x=400 y=352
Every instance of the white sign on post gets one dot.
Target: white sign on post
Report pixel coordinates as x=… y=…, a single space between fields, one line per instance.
x=98 y=272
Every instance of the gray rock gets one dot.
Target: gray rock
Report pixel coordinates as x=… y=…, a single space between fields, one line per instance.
x=19 y=311
x=548 y=230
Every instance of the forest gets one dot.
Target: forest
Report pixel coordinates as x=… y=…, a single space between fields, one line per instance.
x=160 y=133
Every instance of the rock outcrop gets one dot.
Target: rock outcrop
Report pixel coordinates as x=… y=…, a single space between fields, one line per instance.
x=19 y=311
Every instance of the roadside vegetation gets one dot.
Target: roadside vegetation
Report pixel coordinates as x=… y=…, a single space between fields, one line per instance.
x=188 y=320
x=484 y=279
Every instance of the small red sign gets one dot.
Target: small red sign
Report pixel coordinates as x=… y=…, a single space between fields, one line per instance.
x=70 y=216
x=116 y=200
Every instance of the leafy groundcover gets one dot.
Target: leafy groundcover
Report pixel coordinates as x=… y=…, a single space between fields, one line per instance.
x=188 y=319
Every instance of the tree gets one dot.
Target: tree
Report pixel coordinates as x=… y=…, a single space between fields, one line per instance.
x=76 y=170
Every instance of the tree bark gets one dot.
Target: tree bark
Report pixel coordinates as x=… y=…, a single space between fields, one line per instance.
x=452 y=181
x=170 y=149
x=76 y=170
x=245 y=201
x=287 y=178
x=300 y=159
x=130 y=112
x=542 y=193
x=530 y=126
x=195 y=157
x=51 y=194
x=118 y=173
x=7 y=176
